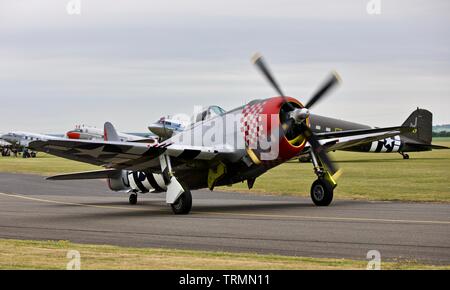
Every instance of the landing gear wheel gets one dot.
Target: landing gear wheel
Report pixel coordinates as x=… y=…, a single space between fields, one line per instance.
x=405 y=156
x=183 y=204
x=133 y=198
x=321 y=192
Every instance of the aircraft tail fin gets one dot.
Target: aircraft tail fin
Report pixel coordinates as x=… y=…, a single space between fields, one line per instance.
x=110 y=133
x=422 y=121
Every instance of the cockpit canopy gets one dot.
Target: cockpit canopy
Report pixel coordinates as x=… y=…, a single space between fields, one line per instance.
x=208 y=113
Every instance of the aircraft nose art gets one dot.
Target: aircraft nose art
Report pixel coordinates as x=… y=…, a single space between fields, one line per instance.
x=264 y=137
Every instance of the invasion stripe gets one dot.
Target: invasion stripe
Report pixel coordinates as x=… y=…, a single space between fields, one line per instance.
x=379 y=146
x=153 y=182
x=138 y=182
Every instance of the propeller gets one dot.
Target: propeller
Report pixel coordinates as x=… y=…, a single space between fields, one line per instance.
x=297 y=116
x=257 y=59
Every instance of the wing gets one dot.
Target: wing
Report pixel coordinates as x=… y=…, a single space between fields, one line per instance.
x=97 y=174
x=124 y=155
x=344 y=139
x=110 y=154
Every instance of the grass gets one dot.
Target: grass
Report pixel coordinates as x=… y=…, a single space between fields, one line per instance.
x=43 y=164
x=20 y=254
x=368 y=176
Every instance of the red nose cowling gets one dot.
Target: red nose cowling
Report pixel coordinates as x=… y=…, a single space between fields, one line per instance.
x=265 y=140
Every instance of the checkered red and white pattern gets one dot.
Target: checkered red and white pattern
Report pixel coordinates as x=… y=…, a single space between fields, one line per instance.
x=251 y=124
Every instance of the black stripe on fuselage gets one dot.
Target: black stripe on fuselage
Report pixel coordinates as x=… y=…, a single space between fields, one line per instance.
x=379 y=146
x=138 y=182
x=151 y=179
x=389 y=149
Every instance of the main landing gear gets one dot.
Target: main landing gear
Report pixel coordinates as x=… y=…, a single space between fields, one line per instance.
x=405 y=156
x=322 y=189
x=183 y=204
x=178 y=195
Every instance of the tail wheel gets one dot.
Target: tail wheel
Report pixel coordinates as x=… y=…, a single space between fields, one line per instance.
x=321 y=192
x=133 y=198
x=183 y=204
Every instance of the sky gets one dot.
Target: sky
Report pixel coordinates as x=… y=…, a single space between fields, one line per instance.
x=131 y=62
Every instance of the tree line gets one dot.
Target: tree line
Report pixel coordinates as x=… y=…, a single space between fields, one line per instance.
x=441 y=134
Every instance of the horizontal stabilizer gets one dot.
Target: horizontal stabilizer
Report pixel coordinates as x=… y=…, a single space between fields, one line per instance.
x=97 y=174
x=426 y=146
x=340 y=134
x=439 y=147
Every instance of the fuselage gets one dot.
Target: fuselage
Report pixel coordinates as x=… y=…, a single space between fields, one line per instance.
x=166 y=127
x=92 y=133
x=20 y=138
x=399 y=143
x=252 y=135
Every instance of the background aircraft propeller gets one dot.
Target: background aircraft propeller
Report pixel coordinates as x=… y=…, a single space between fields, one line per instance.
x=296 y=118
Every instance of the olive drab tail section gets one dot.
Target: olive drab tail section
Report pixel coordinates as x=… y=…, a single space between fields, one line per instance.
x=422 y=121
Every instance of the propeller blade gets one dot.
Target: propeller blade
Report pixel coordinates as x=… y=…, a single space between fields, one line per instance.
x=333 y=80
x=319 y=150
x=257 y=59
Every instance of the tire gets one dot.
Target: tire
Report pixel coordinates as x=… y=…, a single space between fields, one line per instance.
x=406 y=156
x=183 y=204
x=321 y=192
x=133 y=199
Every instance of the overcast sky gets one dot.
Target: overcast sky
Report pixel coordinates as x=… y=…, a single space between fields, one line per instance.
x=131 y=62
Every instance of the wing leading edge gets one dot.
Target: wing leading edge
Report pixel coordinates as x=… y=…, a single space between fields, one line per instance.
x=125 y=155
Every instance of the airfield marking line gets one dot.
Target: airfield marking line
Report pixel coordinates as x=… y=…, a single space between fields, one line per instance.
x=234 y=214
x=329 y=218
x=69 y=203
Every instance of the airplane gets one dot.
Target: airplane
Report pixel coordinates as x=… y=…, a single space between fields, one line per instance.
x=20 y=139
x=92 y=133
x=230 y=147
x=5 y=148
x=166 y=127
x=418 y=140
x=23 y=139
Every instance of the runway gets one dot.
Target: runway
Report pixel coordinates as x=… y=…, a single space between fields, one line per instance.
x=87 y=212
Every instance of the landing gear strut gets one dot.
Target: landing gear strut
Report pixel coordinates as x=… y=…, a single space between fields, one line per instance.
x=322 y=189
x=133 y=198
x=177 y=194
x=405 y=156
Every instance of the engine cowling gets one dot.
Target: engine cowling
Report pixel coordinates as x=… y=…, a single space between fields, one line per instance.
x=262 y=121
x=137 y=181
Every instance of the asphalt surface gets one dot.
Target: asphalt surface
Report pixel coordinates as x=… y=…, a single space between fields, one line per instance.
x=87 y=212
